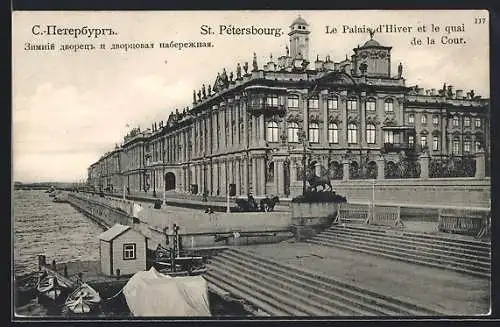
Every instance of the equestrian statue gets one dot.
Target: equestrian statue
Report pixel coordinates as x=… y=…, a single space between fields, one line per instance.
x=315 y=181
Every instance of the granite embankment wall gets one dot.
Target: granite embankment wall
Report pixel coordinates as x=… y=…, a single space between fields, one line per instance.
x=196 y=227
x=442 y=192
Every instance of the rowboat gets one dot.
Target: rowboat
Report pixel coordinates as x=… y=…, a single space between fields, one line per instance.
x=50 y=287
x=83 y=299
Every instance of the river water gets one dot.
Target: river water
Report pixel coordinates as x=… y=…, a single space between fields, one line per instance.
x=60 y=232
x=55 y=229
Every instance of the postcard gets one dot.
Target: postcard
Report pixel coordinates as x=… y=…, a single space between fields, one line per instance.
x=251 y=164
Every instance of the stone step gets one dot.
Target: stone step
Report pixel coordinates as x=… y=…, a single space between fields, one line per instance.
x=476 y=244
x=416 y=259
x=401 y=235
x=336 y=286
x=404 y=251
x=449 y=253
x=291 y=306
x=334 y=294
x=269 y=305
x=314 y=304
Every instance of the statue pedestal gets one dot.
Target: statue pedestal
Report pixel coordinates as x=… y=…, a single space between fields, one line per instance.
x=313 y=213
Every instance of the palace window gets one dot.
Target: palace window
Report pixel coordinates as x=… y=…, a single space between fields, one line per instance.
x=435 y=142
x=293 y=101
x=423 y=119
x=435 y=120
x=293 y=132
x=389 y=105
x=352 y=104
x=389 y=137
x=370 y=134
x=466 y=121
x=478 y=146
x=272 y=100
x=423 y=141
x=370 y=105
x=411 y=119
x=313 y=103
x=454 y=121
x=456 y=146
x=352 y=134
x=314 y=132
x=411 y=140
x=467 y=145
x=129 y=251
x=478 y=123
x=332 y=104
x=272 y=131
x=333 y=133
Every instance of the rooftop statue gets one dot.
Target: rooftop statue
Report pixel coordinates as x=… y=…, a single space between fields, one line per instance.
x=254 y=63
x=209 y=90
x=199 y=95
x=400 y=70
x=204 y=92
x=231 y=76
x=238 y=71
x=194 y=96
x=245 y=67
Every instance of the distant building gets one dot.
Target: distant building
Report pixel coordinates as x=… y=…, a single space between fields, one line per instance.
x=245 y=128
x=122 y=251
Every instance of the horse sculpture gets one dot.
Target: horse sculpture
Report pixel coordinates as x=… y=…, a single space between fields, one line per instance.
x=315 y=181
x=267 y=204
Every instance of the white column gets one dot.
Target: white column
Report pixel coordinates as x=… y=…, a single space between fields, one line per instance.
x=254 y=176
x=238 y=177
x=262 y=168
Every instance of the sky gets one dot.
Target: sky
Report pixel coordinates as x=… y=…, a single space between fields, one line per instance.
x=70 y=107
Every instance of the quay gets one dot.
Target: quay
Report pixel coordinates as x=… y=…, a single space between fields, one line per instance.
x=348 y=268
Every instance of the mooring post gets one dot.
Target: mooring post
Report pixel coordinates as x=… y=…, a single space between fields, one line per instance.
x=54 y=265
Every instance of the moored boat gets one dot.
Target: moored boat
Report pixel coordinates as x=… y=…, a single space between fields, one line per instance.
x=83 y=300
x=49 y=287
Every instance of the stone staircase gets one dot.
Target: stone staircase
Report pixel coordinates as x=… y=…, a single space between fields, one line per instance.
x=462 y=255
x=283 y=290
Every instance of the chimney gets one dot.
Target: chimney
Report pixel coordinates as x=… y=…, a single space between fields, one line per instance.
x=427 y=92
x=459 y=94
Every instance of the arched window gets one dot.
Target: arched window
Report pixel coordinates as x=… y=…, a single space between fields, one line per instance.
x=332 y=104
x=293 y=101
x=352 y=104
x=466 y=121
x=454 y=121
x=467 y=145
x=314 y=132
x=272 y=131
x=333 y=133
x=370 y=134
x=456 y=146
x=411 y=119
x=352 y=133
x=435 y=142
x=423 y=141
x=293 y=132
x=389 y=105
x=478 y=123
x=435 y=120
x=370 y=105
x=313 y=103
x=423 y=119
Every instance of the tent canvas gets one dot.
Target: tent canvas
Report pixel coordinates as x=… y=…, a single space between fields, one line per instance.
x=152 y=294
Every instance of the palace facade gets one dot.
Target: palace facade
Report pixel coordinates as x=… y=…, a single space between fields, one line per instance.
x=254 y=128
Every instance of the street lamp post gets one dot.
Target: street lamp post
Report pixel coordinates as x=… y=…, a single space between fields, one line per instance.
x=303 y=139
